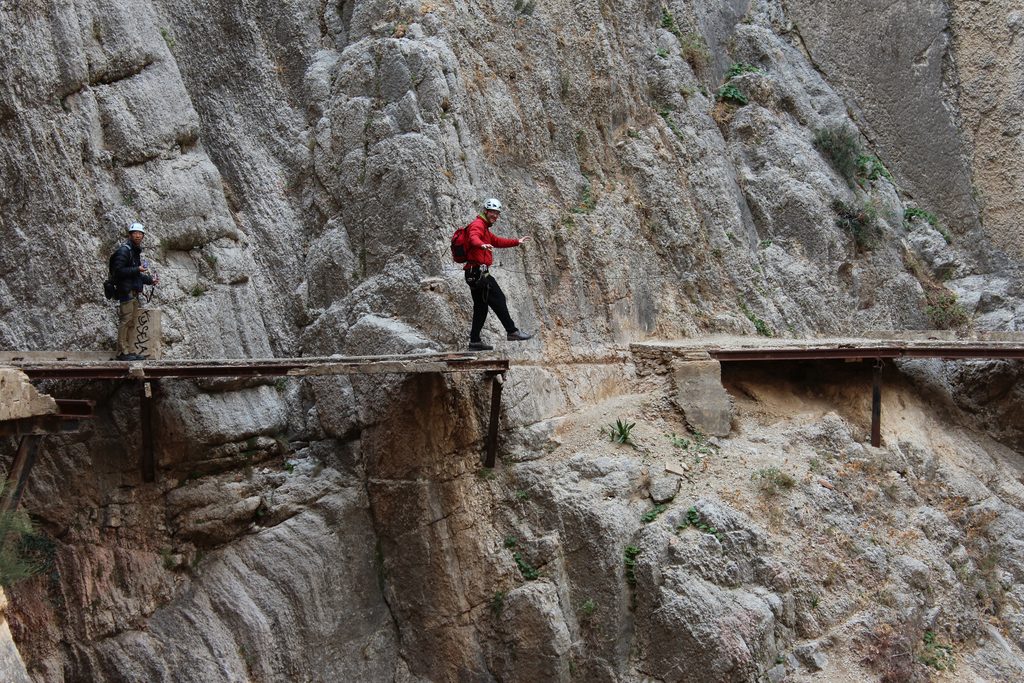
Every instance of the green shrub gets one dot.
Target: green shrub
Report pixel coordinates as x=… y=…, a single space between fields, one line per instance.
x=587 y=201
x=668 y=22
x=629 y=556
x=694 y=519
x=760 y=326
x=937 y=655
x=666 y=115
x=653 y=513
x=771 y=480
x=525 y=7
x=694 y=50
x=621 y=432
x=871 y=168
x=498 y=603
x=944 y=311
x=730 y=93
x=860 y=222
x=528 y=571
x=911 y=213
x=841 y=147
x=740 y=69
x=23 y=553
x=930 y=218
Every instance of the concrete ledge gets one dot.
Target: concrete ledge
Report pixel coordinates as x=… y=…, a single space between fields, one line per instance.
x=701 y=396
x=19 y=399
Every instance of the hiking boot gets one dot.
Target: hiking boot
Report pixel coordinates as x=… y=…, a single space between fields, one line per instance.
x=480 y=346
x=518 y=335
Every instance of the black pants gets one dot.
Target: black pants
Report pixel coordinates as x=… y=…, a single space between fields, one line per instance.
x=486 y=293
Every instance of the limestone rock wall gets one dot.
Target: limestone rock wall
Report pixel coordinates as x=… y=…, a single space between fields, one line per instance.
x=301 y=167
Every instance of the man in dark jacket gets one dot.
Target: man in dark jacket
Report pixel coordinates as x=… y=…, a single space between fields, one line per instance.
x=480 y=243
x=129 y=273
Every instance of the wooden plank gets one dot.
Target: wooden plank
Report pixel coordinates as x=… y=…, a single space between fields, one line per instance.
x=37 y=356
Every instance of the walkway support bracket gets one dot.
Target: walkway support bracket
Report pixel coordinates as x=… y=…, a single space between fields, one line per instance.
x=497 y=384
x=147 y=457
x=20 y=469
x=876 y=404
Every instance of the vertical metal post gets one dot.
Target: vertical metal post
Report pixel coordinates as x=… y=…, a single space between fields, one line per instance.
x=20 y=469
x=147 y=459
x=876 y=405
x=497 y=383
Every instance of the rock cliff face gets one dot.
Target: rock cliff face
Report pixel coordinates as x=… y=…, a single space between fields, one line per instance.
x=300 y=167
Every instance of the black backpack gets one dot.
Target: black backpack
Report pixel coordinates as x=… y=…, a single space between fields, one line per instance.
x=109 y=286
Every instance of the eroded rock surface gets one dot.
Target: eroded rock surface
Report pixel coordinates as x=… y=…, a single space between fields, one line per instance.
x=301 y=167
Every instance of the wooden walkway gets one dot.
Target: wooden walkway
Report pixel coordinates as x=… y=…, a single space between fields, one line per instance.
x=41 y=365
x=877 y=351
x=147 y=374
x=737 y=349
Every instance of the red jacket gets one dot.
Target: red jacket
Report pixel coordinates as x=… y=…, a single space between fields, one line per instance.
x=478 y=233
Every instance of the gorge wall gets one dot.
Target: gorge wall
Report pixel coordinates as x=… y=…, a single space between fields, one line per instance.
x=300 y=167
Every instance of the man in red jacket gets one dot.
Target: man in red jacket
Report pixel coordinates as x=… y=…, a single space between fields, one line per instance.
x=480 y=243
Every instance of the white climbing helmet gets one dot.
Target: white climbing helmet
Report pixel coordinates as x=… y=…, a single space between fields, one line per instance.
x=492 y=204
x=137 y=227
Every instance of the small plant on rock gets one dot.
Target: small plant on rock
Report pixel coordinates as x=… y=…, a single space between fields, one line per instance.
x=668 y=22
x=944 y=311
x=694 y=519
x=861 y=222
x=498 y=603
x=622 y=432
x=771 y=480
x=528 y=571
x=841 y=147
x=653 y=513
x=694 y=50
x=760 y=326
x=935 y=654
x=17 y=546
x=587 y=609
x=909 y=214
x=871 y=168
x=525 y=7
x=731 y=94
x=630 y=561
x=679 y=441
x=739 y=69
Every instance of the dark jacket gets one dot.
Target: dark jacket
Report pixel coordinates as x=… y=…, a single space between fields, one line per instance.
x=478 y=233
x=124 y=269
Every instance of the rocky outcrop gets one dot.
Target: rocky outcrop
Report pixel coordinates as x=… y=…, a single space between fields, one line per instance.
x=301 y=168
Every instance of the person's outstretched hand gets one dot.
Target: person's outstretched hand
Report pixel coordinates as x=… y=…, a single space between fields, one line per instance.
x=524 y=238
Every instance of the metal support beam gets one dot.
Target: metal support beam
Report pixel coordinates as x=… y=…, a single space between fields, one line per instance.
x=20 y=469
x=147 y=458
x=497 y=384
x=876 y=405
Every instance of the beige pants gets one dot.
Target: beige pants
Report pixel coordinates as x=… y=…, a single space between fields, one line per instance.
x=126 y=318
